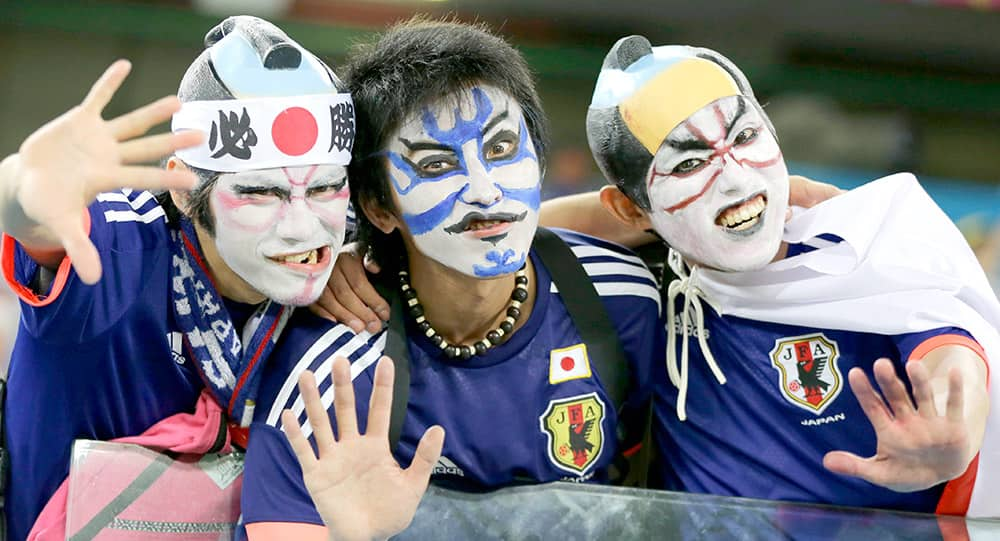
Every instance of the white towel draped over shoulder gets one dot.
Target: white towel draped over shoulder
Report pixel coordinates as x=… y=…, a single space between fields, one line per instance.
x=903 y=267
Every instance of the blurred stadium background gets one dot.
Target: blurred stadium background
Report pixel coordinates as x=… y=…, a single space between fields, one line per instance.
x=856 y=88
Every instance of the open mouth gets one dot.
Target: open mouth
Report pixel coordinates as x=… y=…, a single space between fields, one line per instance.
x=308 y=260
x=486 y=226
x=745 y=216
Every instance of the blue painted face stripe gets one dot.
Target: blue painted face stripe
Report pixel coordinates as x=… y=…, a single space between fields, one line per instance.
x=502 y=264
x=454 y=138
x=532 y=197
x=523 y=152
x=415 y=179
x=428 y=220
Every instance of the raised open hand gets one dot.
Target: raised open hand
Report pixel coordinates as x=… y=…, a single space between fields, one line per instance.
x=357 y=486
x=918 y=447
x=67 y=162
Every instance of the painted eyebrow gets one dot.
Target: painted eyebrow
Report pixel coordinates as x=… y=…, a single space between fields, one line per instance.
x=240 y=188
x=495 y=120
x=414 y=146
x=740 y=111
x=692 y=143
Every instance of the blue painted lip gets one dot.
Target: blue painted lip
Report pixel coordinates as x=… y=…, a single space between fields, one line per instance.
x=462 y=224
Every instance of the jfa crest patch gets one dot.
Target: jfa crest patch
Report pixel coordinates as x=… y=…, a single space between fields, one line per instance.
x=575 y=430
x=807 y=370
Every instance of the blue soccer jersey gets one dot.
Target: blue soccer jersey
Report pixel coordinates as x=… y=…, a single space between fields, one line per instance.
x=99 y=362
x=507 y=413
x=785 y=404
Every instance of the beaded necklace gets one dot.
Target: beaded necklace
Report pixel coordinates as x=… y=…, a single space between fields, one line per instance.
x=493 y=338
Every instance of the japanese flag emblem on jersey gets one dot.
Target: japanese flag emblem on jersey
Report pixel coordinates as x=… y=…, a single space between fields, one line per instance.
x=574 y=428
x=807 y=370
x=568 y=363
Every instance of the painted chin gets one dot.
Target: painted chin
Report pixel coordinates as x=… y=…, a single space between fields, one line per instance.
x=310 y=262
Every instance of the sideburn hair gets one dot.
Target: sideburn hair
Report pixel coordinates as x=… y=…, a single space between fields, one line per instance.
x=199 y=205
x=411 y=66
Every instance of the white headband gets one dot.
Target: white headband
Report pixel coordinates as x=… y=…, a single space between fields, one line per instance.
x=266 y=133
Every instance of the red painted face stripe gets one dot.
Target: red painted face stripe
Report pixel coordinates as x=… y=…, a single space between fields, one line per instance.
x=766 y=163
x=720 y=150
x=695 y=197
x=305 y=179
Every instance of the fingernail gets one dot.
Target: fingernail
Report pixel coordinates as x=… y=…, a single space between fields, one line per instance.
x=356 y=325
x=383 y=313
x=374 y=326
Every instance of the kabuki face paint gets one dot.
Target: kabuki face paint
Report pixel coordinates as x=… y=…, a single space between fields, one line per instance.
x=467 y=182
x=718 y=187
x=280 y=229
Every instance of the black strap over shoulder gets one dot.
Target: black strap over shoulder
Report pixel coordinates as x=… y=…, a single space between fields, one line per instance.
x=604 y=349
x=396 y=348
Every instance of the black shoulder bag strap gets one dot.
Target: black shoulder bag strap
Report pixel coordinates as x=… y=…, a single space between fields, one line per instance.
x=604 y=349
x=396 y=349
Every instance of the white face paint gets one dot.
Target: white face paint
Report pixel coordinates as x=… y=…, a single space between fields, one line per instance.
x=280 y=229
x=718 y=187
x=466 y=182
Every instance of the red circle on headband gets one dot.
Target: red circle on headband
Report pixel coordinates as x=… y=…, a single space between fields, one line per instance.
x=294 y=131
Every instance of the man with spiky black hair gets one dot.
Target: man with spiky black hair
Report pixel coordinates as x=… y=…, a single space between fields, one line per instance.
x=448 y=161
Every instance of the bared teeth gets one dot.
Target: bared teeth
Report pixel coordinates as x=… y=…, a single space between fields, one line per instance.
x=744 y=215
x=310 y=258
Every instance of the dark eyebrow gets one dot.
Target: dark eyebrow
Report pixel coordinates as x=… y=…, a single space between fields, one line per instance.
x=495 y=120
x=740 y=111
x=242 y=189
x=414 y=146
x=688 y=144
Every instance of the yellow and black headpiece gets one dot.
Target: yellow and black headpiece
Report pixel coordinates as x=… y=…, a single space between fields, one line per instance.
x=642 y=94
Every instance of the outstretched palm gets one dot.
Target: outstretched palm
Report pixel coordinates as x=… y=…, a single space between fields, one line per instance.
x=67 y=162
x=356 y=484
x=917 y=447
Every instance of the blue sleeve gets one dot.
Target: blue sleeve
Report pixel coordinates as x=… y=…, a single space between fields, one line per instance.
x=273 y=489
x=130 y=250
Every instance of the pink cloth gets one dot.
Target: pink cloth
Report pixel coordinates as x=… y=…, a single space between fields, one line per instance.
x=187 y=433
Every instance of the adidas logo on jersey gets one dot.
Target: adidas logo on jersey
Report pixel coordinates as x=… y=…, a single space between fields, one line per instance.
x=445 y=466
x=690 y=330
x=176 y=342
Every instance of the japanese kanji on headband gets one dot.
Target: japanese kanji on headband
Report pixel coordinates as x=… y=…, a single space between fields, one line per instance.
x=265 y=133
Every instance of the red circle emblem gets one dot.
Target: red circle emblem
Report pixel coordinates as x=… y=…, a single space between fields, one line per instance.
x=567 y=363
x=294 y=131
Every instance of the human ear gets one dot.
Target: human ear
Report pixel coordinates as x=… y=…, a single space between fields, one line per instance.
x=382 y=218
x=181 y=198
x=623 y=209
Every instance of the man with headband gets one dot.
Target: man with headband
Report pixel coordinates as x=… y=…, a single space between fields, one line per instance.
x=133 y=303
x=767 y=322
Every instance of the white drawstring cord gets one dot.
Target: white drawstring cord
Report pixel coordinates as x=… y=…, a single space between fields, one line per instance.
x=686 y=285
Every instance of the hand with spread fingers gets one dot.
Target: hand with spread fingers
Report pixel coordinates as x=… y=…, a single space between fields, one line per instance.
x=922 y=441
x=358 y=488
x=349 y=296
x=45 y=188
